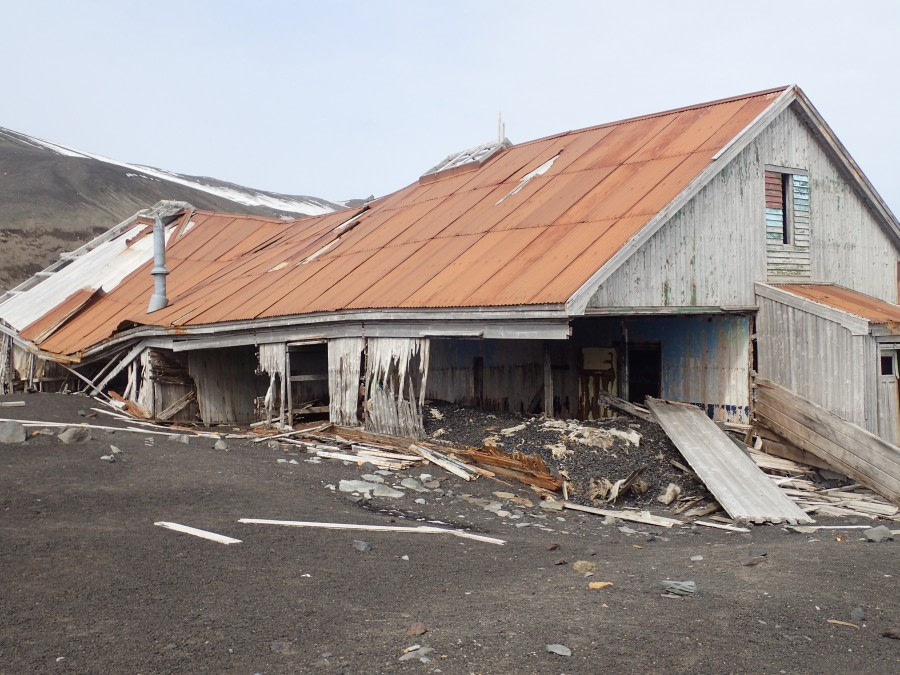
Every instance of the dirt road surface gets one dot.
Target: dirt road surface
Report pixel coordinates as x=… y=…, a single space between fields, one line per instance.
x=89 y=584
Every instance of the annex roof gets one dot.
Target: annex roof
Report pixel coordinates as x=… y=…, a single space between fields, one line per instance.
x=845 y=300
x=528 y=225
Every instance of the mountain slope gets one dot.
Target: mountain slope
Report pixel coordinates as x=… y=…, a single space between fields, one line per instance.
x=53 y=199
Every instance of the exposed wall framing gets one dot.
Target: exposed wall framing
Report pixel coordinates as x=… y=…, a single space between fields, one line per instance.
x=227 y=384
x=6 y=364
x=396 y=380
x=165 y=388
x=272 y=360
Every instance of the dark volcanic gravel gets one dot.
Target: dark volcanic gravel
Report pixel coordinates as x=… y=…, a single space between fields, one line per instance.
x=583 y=462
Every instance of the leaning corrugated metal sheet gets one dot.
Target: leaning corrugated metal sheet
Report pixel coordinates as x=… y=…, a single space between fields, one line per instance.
x=743 y=490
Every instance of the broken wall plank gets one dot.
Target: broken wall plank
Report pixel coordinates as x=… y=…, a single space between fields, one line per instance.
x=396 y=378
x=203 y=534
x=846 y=447
x=640 y=517
x=421 y=529
x=721 y=526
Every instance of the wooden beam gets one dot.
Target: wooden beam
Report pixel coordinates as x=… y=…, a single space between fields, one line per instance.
x=136 y=350
x=641 y=517
x=548 y=382
x=422 y=529
x=203 y=534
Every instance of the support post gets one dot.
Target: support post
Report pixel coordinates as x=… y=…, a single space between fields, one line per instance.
x=548 y=382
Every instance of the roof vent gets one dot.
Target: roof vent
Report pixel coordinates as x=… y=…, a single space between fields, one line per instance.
x=466 y=160
x=158 y=300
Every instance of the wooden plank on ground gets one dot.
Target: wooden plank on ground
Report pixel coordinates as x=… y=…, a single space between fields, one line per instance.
x=636 y=517
x=203 y=534
x=421 y=529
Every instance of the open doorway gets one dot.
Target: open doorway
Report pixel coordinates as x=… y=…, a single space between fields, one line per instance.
x=644 y=371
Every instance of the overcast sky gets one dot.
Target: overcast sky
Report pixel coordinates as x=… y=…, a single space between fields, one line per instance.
x=345 y=99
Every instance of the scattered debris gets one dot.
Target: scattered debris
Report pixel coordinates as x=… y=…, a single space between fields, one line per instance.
x=220 y=445
x=670 y=494
x=108 y=458
x=722 y=526
x=360 y=545
x=637 y=517
x=682 y=588
x=584 y=566
x=203 y=534
x=421 y=529
x=559 y=649
x=417 y=652
x=838 y=622
x=12 y=404
x=597 y=585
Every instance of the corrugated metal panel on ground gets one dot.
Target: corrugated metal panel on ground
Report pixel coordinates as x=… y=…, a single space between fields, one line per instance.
x=743 y=490
x=607 y=182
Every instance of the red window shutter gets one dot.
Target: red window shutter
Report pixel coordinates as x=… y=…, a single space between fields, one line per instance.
x=774 y=190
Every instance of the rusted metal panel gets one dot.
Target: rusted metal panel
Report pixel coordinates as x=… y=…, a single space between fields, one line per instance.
x=227 y=268
x=861 y=305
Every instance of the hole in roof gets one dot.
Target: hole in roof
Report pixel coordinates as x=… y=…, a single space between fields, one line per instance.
x=524 y=180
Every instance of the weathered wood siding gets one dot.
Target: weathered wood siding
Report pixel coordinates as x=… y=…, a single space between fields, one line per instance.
x=712 y=250
x=344 y=360
x=500 y=375
x=818 y=359
x=705 y=359
x=791 y=258
x=227 y=384
x=396 y=380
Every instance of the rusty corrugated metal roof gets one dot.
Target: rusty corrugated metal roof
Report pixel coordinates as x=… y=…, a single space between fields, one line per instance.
x=500 y=234
x=852 y=302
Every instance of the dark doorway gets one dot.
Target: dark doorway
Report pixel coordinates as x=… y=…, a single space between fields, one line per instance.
x=644 y=371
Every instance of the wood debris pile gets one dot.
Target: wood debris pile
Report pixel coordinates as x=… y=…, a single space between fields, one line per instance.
x=851 y=500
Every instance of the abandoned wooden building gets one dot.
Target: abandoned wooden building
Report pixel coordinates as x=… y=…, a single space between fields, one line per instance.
x=675 y=255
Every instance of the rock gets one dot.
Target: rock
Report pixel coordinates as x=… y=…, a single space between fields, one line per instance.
x=502 y=513
x=553 y=546
x=75 y=435
x=114 y=450
x=293 y=461
x=611 y=520
x=356 y=485
x=220 y=445
x=108 y=458
x=857 y=614
x=273 y=445
x=404 y=557
x=372 y=478
x=561 y=561
x=680 y=587
x=281 y=460
x=878 y=534
x=893 y=633
x=627 y=530
x=493 y=506
x=551 y=505
x=562 y=650
x=752 y=562
x=504 y=495
x=598 y=585
x=413 y=484
x=761 y=552
x=419 y=500
x=416 y=628
x=12 y=432
x=669 y=495
x=696 y=558
x=584 y=566
x=383 y=472
x=360 y=545
x=419 y=653
x=82 y=413
x=385 y=491
x=432 y=484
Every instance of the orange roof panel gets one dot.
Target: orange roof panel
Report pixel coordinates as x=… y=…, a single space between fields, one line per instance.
x=852 y=302
x=495 y=234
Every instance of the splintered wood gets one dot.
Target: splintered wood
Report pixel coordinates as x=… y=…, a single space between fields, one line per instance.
x=396 y=373
x=397 y=453
x=853 y=500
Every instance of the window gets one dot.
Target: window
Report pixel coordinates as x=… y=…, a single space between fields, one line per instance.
x=887 y=363
x=787 y=222
x=786 y=193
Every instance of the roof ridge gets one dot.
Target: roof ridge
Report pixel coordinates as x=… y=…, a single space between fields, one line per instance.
x=661 y=113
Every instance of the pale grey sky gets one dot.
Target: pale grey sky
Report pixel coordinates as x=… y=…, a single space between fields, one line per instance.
x=342 y=99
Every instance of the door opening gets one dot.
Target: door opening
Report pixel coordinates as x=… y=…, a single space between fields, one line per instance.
x=644 y=371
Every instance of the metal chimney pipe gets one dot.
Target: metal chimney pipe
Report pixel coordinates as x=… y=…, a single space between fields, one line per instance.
x=158 y=300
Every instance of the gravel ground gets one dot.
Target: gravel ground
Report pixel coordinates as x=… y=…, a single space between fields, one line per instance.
x=89 y=584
